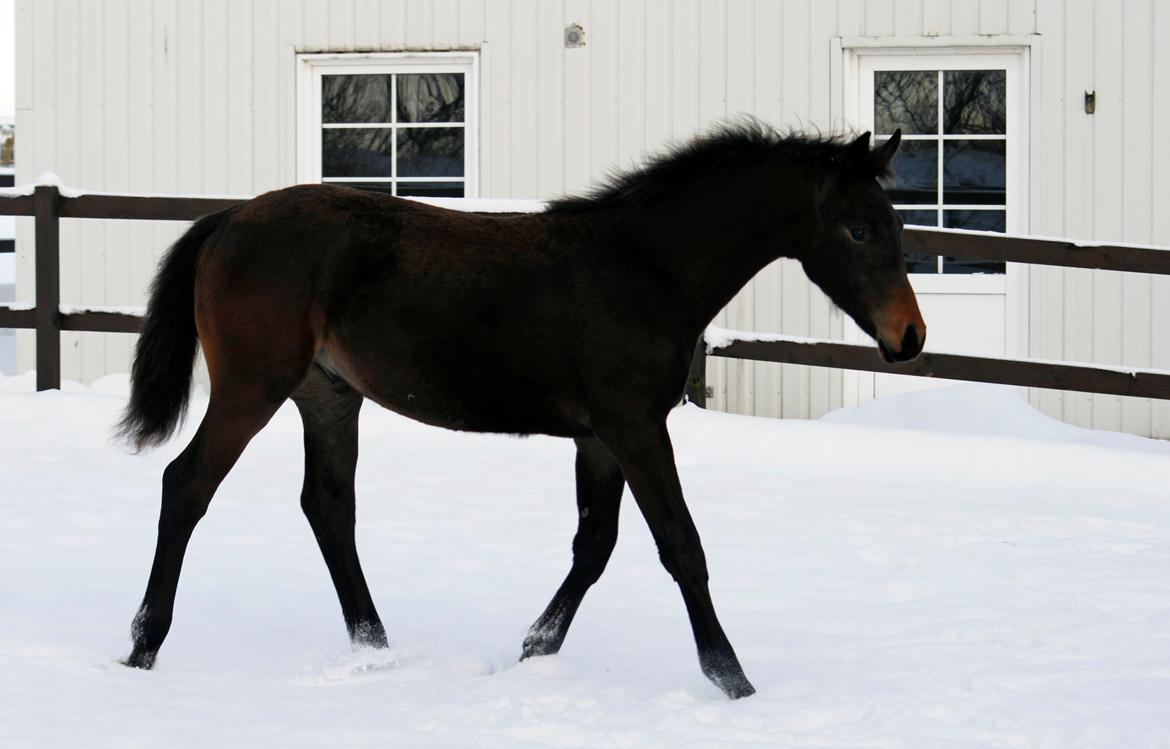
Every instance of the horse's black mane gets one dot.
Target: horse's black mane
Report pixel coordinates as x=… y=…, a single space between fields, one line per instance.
x=730 y=145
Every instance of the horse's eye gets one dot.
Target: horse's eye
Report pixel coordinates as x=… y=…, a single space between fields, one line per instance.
x=858 y=235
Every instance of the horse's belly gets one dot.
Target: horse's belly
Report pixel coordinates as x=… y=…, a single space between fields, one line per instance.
x=474 y=396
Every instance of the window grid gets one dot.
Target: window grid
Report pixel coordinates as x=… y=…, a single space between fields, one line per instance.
x=940 y=137
x=394 y=126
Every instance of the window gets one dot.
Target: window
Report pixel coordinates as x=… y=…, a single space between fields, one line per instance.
x=402 y=124
x=959 y=150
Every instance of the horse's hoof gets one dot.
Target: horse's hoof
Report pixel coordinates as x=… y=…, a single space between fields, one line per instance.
x=533 y=650
x=369 y=635
x=541 y=643
x=737 y=688
x=140 y=659
x=726 y=673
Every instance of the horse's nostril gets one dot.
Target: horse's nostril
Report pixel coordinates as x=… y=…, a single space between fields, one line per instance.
x=910 y=341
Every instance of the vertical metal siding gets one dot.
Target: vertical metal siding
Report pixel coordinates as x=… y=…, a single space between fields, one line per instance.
x=173 y=96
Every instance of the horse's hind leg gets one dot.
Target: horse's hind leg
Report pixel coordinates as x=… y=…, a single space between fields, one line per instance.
x=329 y=410
x=599 y=494
x=188 y=485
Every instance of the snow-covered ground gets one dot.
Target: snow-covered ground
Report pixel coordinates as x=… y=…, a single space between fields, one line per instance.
x=978 y=577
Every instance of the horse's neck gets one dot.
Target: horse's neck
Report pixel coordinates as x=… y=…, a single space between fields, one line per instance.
x=714 y=242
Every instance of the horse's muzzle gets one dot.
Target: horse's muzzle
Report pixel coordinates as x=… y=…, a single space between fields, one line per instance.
x=901 y=331
x=911 y=345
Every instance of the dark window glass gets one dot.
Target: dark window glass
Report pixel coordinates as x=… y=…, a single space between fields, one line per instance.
x=364 y=152
x=430 y=98
x=915 y=173
x=975 y=101
x=907 y=99
x=355 y=98
x=979 y=220
x=918 y=218
x=430 y=152
x=974 y=172
x=916 y=262
x=982 y=221
x=431 y=189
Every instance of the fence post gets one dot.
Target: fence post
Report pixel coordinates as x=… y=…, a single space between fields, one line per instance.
x=46 y=210
x=697 y=379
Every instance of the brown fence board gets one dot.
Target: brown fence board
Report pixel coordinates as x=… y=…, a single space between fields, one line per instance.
x=102 y=322
x=47 y=200
x=18 y=318
x=17 y=205
x=1037 y=251
x=955 y=367
x=159 y=208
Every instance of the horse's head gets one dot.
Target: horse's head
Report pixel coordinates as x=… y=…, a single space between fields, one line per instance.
x=855 y=252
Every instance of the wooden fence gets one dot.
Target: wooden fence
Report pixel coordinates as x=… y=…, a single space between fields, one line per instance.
x=48 y=206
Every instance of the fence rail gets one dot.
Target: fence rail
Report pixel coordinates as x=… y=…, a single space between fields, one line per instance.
x=1056 y=375
x=48 y=206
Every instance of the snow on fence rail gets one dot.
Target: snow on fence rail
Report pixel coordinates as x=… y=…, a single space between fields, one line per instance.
x=48 y=202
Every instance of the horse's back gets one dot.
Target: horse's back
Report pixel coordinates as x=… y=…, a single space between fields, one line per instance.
x=454 y=319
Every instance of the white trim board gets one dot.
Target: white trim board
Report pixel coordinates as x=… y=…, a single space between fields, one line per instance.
x=311 y=66
x=853 y=60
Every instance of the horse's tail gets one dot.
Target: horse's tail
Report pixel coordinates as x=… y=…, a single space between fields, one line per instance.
x=164 y=359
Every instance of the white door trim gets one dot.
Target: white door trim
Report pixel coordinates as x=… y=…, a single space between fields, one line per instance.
x=853 y=60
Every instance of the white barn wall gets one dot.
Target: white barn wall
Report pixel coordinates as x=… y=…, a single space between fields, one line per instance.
x=176 y=96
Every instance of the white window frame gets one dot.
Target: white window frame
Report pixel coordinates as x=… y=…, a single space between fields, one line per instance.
x=310 y=68
x=846 y=56
x=1012 y=62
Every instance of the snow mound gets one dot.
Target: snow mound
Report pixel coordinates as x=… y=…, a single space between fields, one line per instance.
x=981 y=409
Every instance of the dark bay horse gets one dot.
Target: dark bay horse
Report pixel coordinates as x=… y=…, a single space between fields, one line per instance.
x=579 y=321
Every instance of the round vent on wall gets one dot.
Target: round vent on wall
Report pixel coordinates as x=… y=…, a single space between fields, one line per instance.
x=574 y=36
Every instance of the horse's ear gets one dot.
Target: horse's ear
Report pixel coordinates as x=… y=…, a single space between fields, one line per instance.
x=881 y=156
x=857 y=152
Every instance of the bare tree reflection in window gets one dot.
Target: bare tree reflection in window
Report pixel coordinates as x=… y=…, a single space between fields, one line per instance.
x=907 y=99
x=355 y=98
x=975 y=102
x=430 y=98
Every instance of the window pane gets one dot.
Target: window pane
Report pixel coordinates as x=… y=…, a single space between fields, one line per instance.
x=983 y=221
x=916 y=262
x=980 y=220
x=355 y=153
x=430 y=98
x=915 y=173
x=355 y=98
x=907 y=99
x=918 y=218
x=974 y=172
x=975 y=101
x=431 y=189
x=430 y=152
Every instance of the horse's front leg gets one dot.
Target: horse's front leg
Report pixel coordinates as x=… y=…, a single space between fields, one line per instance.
x=643 y=450
x=599 y=495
